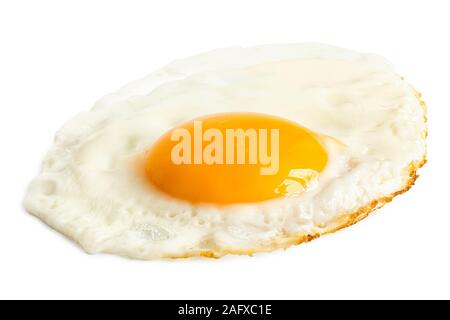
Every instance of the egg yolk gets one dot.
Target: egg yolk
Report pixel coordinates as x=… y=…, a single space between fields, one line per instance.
x=234 y=158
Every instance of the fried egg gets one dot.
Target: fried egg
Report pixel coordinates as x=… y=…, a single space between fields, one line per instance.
x=349 y=132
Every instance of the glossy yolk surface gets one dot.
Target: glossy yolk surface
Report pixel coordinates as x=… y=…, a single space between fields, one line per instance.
x=203 y=166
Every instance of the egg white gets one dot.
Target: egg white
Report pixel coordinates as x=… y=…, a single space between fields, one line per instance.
x=88 y=188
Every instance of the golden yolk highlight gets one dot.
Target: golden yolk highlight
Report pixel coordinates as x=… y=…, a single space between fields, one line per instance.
x=235 y=158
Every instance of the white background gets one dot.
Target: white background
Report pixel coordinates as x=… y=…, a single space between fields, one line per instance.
x=58 y=57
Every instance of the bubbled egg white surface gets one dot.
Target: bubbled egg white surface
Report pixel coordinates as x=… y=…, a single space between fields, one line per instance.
x=89 y=190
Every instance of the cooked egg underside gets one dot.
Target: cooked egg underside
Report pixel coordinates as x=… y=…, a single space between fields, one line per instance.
x=88 y=190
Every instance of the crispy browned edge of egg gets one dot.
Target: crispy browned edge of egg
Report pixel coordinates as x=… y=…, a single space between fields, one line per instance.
x=346 y=220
